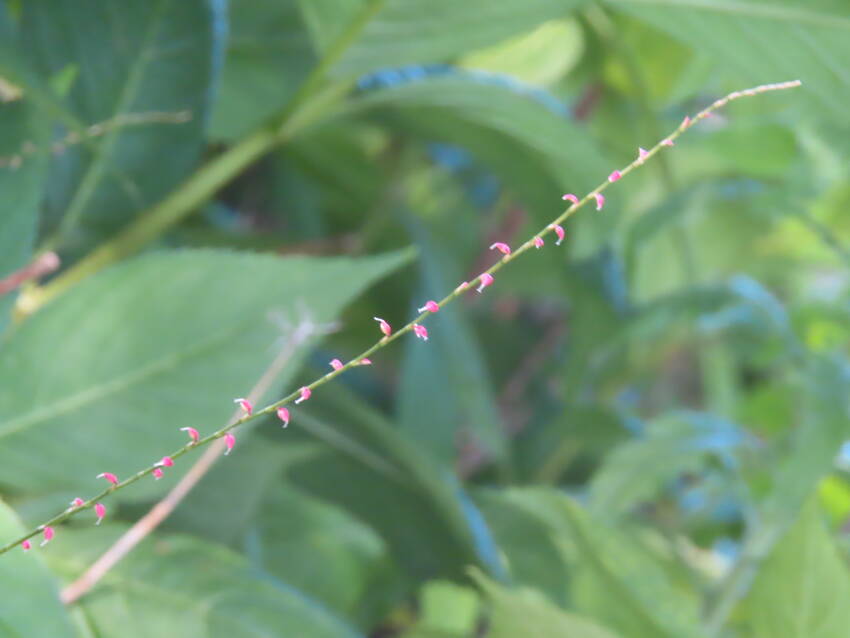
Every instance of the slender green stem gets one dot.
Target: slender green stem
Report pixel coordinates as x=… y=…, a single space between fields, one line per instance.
x=385 y=341
x=199 y=188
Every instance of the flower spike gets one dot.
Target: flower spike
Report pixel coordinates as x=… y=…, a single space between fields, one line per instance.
x=430 y=306
x=229 y=442
x=47 y=534
x=306 y=393
x=486 y=279
x=613 y=177
x=109 y=476
x=559 y=231
x=421 y=331
x=501 y=247
x=570 y=197
x=193 y=434
x=100 y=512
x=283 y=415
x=384 y=326
x=157 y=473
x=245 y=404
x=336 y=364
x=600 y=200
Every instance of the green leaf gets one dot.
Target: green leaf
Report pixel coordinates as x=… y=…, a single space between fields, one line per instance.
x=422 y=31
x=180 y=586
x=761 y=42
x=519 y=612
x=29 y=596
x=802 y=589
x=149 y=56
x=327 y=554
x=103 y=378
x=269 y=54
x=430 y=526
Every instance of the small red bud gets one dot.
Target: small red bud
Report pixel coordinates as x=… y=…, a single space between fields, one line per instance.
x=283 y=415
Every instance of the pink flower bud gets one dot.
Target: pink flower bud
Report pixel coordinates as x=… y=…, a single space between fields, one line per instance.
x=26 y=545
x=501 y=247
x=157 y=473
x=193 y=434
x=642 y=154
x=685 y=122
x=613 y=177
x=384 y=326
x=600 y=200
x=306 y=393
x=667 y=142
x=283 y=415
x=245 y=404
x=109 y=476
x=430 y=306
x=485 y=280
x=229 y=442
x=336 y=364
x=77 y=502
x=559 y=231
x=166 y=461
x=462 y=286
x=364 y=362
x=538 y=242
x=570 y=197
x=100 y=512
x=421 y=331
x=48 y=535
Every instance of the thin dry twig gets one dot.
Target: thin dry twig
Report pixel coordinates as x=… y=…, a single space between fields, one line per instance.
x=159 y=512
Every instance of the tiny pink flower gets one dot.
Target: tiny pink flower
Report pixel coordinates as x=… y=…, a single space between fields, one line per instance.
x=642 y=154
x=600 y=200
x=685 y=122
x=559 y=231
x=430 y=306
x=229 y=442
x=384 y=326
x=48 y=535
x=365 y=361
x=306 y=393
x=245 y=404
x=336 y=364
x=538 y=242
x=157 y=473
x=462 y=286
x=26 y=545
x=570 y=197
x=193 y=434
x=667 y=142
x=501 y=247
x=166 y=461
x=100 y=512
x=485 y=280
x=613 y=177
x=109 y=476
x=77 y=502
x=283 y=415
x=421 y=331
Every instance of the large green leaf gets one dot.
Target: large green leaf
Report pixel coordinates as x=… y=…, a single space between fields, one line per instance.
x=524 y=611
x=421 y=31
x=802 y=589
x=149 y=56
x=367 y=468
x=103 y=378
x=29 y=596
x=180 y=586
x=762 y=41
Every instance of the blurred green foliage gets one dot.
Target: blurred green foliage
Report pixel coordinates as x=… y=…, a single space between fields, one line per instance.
x=637 y=434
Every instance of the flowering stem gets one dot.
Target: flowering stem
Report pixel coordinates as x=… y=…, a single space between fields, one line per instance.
x=483 y=279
